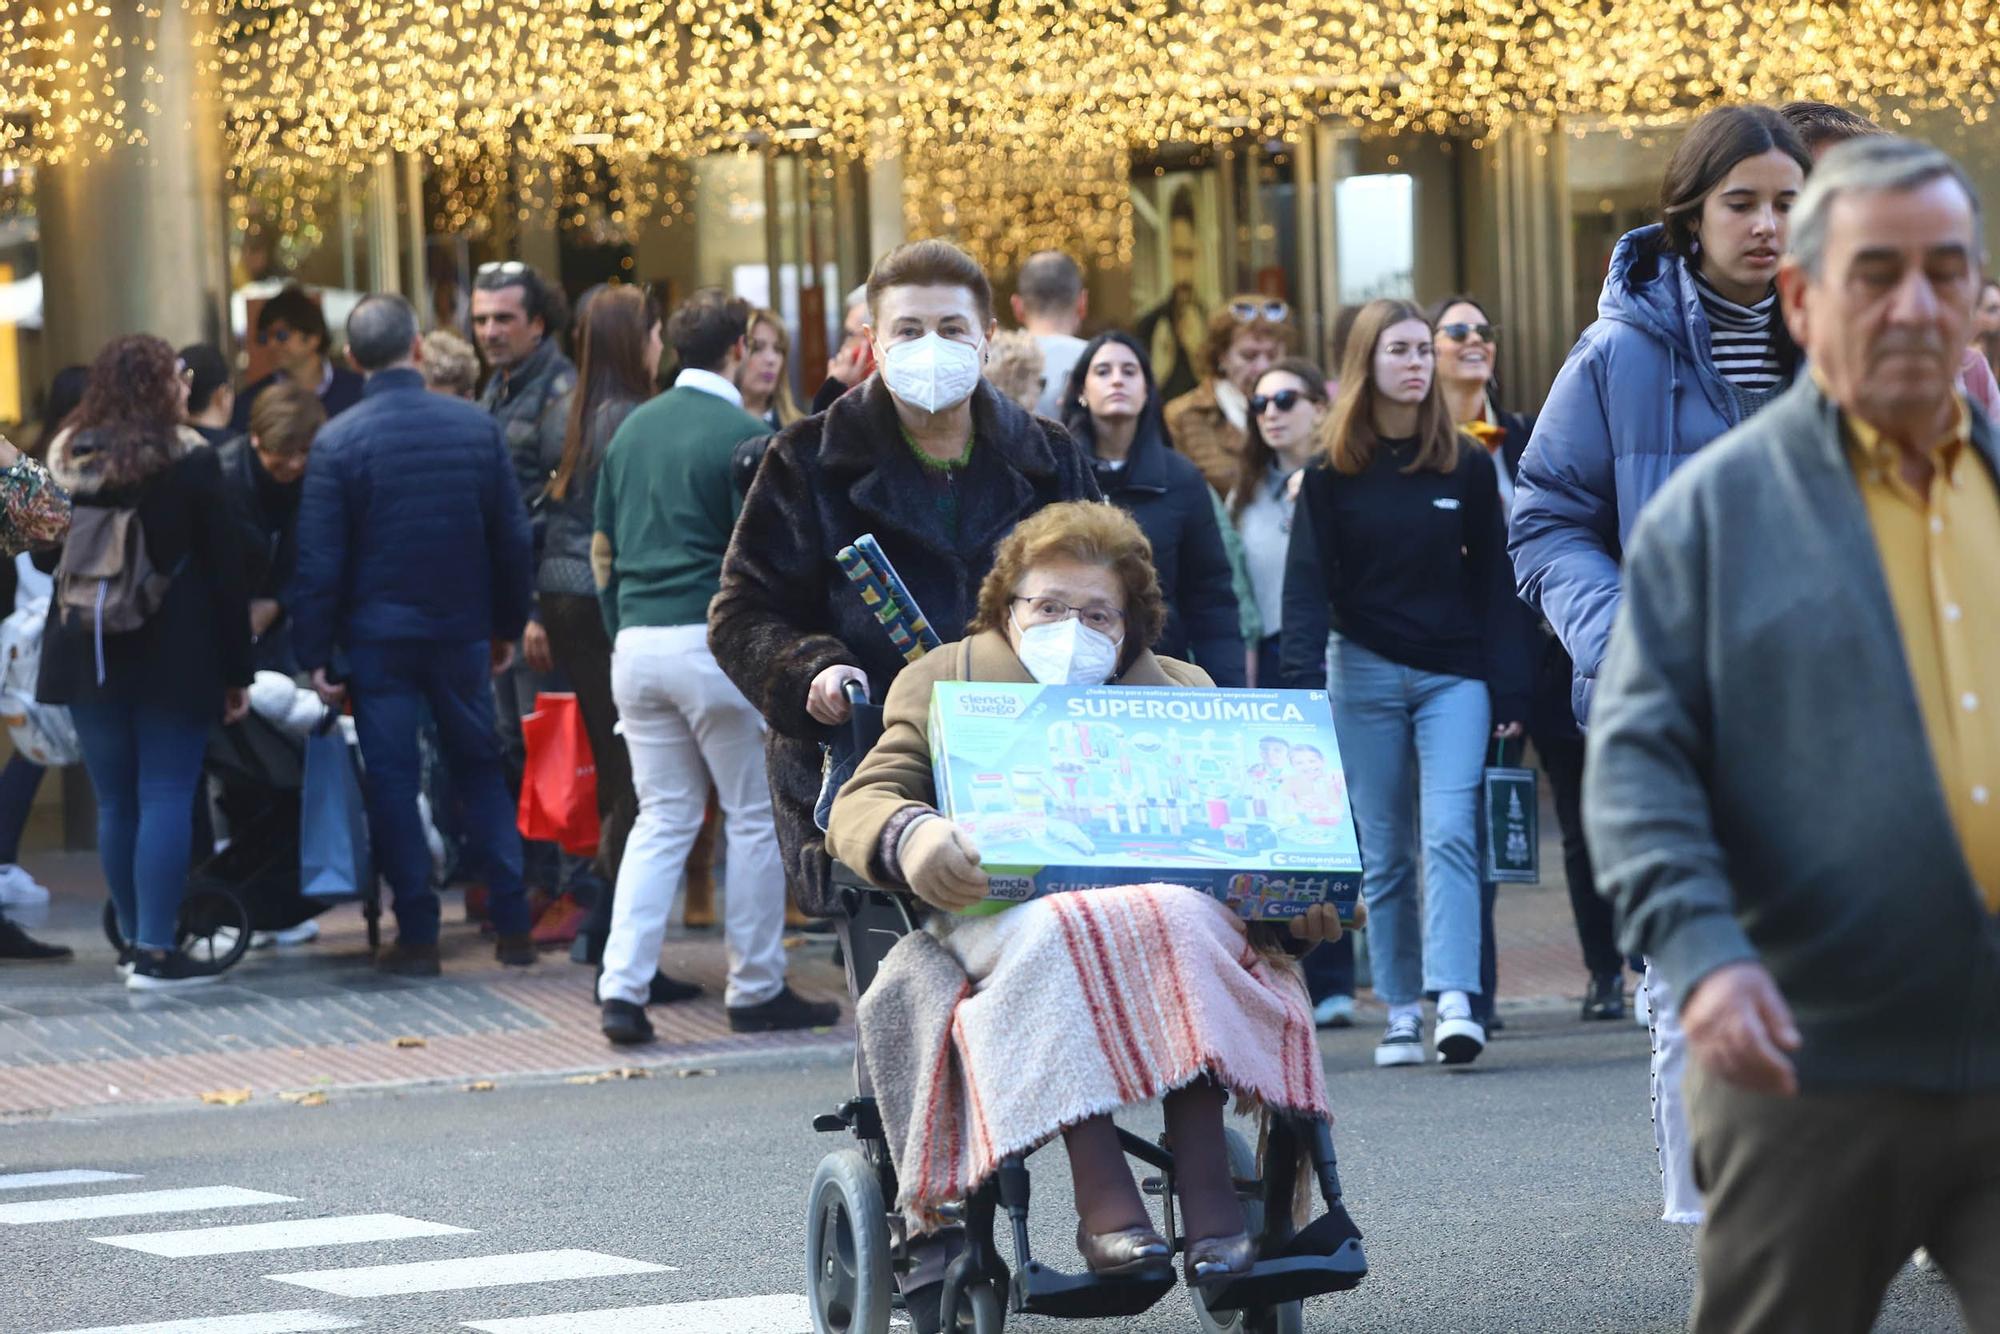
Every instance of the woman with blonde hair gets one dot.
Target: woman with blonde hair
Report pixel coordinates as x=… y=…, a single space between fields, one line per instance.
x=1399 y=549
x=766 y=380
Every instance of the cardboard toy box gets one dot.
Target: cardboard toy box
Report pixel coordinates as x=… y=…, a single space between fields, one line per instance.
x=1236 y=792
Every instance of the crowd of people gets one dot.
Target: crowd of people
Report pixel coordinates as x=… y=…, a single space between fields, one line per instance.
x=1779 y=648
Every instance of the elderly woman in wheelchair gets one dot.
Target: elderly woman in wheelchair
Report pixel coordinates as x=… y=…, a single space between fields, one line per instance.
x=991 y=1031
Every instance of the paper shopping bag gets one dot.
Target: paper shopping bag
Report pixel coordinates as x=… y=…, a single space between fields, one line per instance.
x=334 y=857
x=559 y=779
x=1510 y=825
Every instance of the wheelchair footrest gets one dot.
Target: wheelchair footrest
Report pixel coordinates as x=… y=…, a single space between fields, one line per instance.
x=1290 y=1279
x=1039 y=1290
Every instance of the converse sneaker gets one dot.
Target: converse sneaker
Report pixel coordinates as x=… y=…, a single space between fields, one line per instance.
x=1402 y=1043
x=1458 y=1037
x=167 y=970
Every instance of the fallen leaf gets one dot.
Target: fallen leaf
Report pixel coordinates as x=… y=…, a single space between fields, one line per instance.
x=598 y=1078
x=304 y=1097
x=226 y=1097
x=407 y=1042
x=692 y=1074
x=480 y=1086
x=632 y=1072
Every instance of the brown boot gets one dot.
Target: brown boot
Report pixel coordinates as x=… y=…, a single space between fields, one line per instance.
x=406 y=960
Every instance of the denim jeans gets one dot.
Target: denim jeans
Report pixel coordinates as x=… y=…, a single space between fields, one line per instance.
x=391 y=683
x=144 y=764
x=1399 y=727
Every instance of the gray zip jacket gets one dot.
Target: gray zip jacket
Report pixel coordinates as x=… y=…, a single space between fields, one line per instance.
x=1760 y=783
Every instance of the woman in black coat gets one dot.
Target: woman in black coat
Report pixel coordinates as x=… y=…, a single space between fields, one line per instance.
x=924 y=455
x=144 y=700
x=1112 y=407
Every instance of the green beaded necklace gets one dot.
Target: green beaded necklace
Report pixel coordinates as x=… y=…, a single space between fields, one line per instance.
x=930 y=464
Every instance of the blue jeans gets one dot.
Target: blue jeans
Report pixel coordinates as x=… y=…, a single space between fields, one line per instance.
x=391 y=684
x=144 y=764
x=1399 y=727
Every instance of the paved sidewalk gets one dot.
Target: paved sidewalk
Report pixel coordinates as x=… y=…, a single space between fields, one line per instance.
x=290 y=1021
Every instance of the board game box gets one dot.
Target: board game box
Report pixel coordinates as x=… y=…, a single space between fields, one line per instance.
x=1236 y=792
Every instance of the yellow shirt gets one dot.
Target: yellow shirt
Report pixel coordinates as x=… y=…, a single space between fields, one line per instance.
x=1941 y=554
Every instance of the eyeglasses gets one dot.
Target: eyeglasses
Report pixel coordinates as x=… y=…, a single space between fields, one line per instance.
x=1274 y=310
x=1047 y=611
x=1461 y=332
x=1284 y=401
x=509 y=267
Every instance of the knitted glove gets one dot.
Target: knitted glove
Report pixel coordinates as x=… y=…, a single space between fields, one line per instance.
x=941 y=864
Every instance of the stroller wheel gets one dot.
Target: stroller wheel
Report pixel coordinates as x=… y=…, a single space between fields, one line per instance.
x=1284 y=1318
x=213 y=931
x=847 y=1248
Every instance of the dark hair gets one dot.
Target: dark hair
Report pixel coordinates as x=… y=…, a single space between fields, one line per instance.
x=610 y=367
x=298 y=311
x=1349 y=439
x=381 y=330
x=1436 y=317
x=1258 y=456
x=65 y=393
x=1049 y=283
x=1820 y=123
x=705 y=326
x=931 y=263
x=1076 y=417
x=1708 y=152
x=132 y=404
x=211 y=372
x=284 y=417
x=539 y=301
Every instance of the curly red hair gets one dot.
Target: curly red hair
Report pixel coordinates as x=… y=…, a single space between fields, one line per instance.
x=132 y=400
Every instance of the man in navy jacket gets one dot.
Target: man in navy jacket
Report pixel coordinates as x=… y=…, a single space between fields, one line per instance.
x=415 y=561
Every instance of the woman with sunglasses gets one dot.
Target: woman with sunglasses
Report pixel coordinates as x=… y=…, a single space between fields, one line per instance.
x=1112 y=408
x=1209 y=423
x=1398 y=549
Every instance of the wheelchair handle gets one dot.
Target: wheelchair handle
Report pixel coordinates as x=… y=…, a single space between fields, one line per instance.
x=855 y=691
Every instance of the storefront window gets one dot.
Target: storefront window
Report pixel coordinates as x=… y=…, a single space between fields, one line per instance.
x=1375 y=227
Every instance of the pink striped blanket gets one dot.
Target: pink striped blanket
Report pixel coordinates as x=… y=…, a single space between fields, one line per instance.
x=989 y=1036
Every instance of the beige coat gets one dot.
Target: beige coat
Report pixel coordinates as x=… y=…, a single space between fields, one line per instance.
x=1202 y=433
x=896 y=775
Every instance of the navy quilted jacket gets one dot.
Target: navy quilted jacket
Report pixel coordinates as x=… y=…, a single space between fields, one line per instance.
x=411 y=526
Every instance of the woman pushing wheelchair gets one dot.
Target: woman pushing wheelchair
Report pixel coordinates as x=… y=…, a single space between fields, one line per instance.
x=988 y=1034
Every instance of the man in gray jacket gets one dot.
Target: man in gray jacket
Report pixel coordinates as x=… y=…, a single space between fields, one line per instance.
x=1793 y=792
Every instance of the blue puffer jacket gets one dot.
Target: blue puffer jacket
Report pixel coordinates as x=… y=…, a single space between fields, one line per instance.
x=411 y=526
x=1638 y=397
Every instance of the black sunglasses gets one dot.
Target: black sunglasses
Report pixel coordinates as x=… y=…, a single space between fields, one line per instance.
x=1461 y=332
x=1284 y=401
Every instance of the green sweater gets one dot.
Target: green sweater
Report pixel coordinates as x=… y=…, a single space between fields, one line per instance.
x=666 y=507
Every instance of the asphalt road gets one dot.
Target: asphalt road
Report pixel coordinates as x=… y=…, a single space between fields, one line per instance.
x=1516 y=1196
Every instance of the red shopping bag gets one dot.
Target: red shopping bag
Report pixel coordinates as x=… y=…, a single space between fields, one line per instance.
x=559 y=781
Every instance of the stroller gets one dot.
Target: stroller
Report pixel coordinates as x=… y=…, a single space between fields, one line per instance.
x=257 y=771
x=856 y=1245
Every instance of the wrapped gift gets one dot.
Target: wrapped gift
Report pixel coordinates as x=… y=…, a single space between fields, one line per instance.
x=1236 y=792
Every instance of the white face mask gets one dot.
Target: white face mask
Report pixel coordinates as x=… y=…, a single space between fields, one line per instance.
x=1067 y=653
x=931 y=373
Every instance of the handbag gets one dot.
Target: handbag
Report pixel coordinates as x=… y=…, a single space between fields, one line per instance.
x=335 y=861
x=559 y=778
x=1510 y=817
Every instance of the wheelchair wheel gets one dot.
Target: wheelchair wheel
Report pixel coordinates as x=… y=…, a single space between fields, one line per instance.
x=847 y=1248
x=980 y=1310
x=213 y=930
x=1285 y=1318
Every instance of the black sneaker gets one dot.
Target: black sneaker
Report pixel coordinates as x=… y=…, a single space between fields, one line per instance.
x=1402 y=1042
x=407 y=960
x=785 y=1010
x=17 y=946
x=663 y=990
x=1604 y=998
x=625 y=1024
x=167 y=970
x=515 y=951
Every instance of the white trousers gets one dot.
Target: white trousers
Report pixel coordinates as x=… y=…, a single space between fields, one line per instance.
x=685 y=722
x=1670 y=1122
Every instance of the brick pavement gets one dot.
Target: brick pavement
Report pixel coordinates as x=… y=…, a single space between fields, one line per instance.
x=318 y=1017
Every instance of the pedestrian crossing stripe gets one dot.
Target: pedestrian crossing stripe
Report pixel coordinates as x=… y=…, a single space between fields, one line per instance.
x=78 y=1177
x=263 y=1322
x=478 y=1271
x=71 y=1208
x=790 y=1314
x=290 y=1234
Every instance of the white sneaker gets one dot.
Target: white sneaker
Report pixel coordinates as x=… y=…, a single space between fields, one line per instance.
x=18 y=889
x=305 y=933
x=1458 y=1037
x=1334 y=1012
x=1402 y=1043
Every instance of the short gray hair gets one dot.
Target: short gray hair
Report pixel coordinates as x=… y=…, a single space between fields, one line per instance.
x=381 y=330
x=1871 y=164
x=1049 y=283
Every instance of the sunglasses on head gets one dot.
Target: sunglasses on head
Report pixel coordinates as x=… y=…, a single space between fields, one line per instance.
x=1284 y=401
x=1461 y=332
x=1277 y=312
x=508 y=267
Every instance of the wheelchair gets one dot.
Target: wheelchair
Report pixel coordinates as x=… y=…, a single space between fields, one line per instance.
x=857 y=1246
